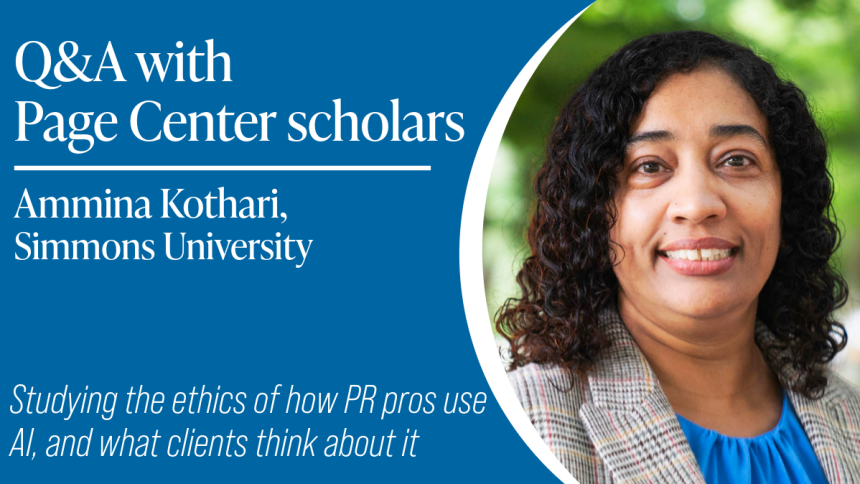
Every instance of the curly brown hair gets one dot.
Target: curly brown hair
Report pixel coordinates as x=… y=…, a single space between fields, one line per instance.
x=568 y=279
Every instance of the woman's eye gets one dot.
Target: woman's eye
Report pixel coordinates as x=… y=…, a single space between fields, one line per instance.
x=649 y=167
x=736 y=161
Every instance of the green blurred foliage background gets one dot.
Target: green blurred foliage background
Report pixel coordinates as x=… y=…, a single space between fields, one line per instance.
x=815 y=44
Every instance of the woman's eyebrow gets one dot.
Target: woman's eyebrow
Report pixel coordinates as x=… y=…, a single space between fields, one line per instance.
x=648 y=136
x=727 y=130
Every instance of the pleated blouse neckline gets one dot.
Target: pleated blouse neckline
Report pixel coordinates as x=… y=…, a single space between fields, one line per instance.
x=782 y=455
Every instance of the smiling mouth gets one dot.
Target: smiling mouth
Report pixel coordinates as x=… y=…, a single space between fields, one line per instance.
x=698 y=254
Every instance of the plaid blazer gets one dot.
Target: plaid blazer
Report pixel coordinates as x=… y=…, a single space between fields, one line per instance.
x=616 y=425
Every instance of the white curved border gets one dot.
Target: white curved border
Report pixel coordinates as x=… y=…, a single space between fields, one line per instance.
x=472 y=272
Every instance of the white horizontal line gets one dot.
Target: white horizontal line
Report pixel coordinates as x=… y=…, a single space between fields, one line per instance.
x=220 y=168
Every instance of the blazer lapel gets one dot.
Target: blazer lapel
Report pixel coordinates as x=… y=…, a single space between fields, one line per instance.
x=630 y=421
x=833 y=428
x=832 y=422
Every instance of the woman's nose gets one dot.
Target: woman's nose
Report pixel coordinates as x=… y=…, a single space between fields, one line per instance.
x=696 y=197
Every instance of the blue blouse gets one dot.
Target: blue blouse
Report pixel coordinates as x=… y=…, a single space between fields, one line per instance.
x=781 y=456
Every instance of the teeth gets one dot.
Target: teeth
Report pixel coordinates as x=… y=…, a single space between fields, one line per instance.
x=701 y=254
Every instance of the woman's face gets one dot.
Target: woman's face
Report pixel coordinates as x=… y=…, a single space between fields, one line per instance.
x=699 y=200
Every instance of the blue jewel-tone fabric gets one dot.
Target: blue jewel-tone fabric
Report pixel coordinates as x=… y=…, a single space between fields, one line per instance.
x=780 y=456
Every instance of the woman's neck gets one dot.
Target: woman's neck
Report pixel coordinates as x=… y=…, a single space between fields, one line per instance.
x=710 y=369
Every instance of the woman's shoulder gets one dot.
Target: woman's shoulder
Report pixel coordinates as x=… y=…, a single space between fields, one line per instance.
x=837 y=415
x=542 y=384
x=847 y=392
x=549 y=393
x=552 y=397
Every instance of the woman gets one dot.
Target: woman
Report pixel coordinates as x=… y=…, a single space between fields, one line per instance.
x=676 y=319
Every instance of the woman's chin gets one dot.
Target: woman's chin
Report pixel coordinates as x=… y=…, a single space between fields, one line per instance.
x=704 y=304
